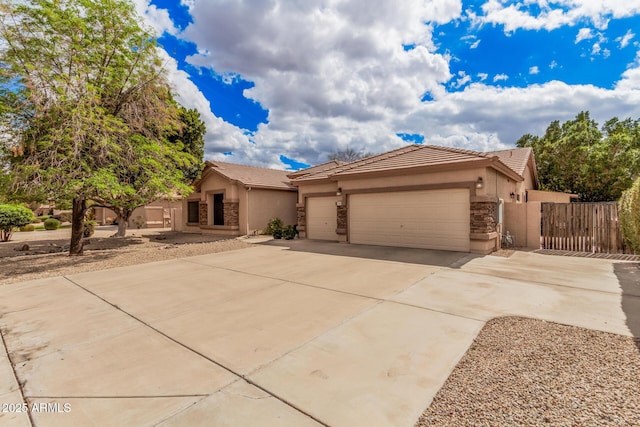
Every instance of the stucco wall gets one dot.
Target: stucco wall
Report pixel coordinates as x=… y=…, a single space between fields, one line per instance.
x=264 y=205
x=549 y=196
x=522 y=220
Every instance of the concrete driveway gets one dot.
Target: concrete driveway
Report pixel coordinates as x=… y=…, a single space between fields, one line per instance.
x=314 y=334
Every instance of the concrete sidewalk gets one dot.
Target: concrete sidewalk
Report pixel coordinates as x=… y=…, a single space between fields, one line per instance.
x=272 y=336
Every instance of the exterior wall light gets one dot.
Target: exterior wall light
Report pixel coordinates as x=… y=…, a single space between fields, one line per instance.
x=479 y=182
x=512 y=195
x=339 y=192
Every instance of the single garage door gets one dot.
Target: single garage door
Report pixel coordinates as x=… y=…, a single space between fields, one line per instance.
x=321 y=218
x=433 y=219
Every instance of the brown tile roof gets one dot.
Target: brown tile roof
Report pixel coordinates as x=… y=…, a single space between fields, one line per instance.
x=515 y=158
x=251 y=176
x=402 y=158
x=322 y=167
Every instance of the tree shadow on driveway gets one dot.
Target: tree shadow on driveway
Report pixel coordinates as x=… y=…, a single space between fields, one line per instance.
x=383 y=253
x=628 y=275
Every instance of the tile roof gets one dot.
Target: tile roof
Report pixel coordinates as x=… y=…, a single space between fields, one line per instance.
x=515 y=158
x=322 y=167
x=402 y=158
x=251 y=176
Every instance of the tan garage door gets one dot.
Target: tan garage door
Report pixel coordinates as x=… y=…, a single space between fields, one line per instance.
x=321 y=218
x=433 y=219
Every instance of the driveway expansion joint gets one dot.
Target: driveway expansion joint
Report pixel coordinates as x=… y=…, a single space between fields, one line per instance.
x=381 y=300
x=15 y=376
x=231 y=371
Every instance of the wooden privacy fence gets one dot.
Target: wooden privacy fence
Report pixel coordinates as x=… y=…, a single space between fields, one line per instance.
x=582 y=227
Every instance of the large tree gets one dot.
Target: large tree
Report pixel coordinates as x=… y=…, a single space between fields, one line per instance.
x=139 y=178
x=578 y=157
x=85 y=104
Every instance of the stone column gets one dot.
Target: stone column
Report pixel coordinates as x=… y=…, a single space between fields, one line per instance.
x=483 y=217
x=342 y=213
x=232 y=213
x=203 y=215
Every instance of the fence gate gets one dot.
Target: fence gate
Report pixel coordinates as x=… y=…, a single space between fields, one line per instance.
x=582 y=227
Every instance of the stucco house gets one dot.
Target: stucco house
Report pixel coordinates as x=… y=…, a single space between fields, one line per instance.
x=235 y=200
x=419 y=196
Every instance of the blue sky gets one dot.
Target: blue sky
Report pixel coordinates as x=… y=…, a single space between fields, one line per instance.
x=283 y=84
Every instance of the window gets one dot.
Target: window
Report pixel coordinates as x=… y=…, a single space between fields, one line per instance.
x=193 y=211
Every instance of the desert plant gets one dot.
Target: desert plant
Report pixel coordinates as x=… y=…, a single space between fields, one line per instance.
x=12 y=217
x=630 y=216
x=51 y=224
x=274 y=228
x=289 y=232
x=28 y=227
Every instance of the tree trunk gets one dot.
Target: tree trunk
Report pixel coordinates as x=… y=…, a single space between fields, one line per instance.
x=77 y=226
x=122 y=217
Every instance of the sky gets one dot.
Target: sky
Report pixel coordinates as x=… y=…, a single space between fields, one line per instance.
x=285 y=83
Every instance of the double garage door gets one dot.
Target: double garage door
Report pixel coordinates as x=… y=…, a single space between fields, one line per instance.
x=430 y=219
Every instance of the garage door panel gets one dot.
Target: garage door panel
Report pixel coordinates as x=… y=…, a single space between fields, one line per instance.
x=434 y=219
x=321 y=218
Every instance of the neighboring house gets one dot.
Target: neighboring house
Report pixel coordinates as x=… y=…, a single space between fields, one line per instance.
x=235 y=200
x=419 y=196
x=158 y=214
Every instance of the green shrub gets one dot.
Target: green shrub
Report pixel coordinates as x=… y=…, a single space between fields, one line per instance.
x=28 y=227
x=274 y=228
x=289 y=232
x=12 y=217
x=630 y=216
x=51 y=224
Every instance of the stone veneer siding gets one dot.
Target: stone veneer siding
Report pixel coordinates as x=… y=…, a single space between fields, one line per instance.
x=342 y=219
x=203 y=216
x=483 y=217
x=231 y=213
x=302 y=216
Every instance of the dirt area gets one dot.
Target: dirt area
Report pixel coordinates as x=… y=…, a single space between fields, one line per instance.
x=41 y=254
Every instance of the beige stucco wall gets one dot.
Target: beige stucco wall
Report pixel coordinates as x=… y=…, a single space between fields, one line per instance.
x=414 y=179
x=264 y=205
x=500 y=186
x=522 y=220
x=550 y=196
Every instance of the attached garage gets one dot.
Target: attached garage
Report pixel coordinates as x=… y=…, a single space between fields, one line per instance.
x=429 y=219
x=321 y=218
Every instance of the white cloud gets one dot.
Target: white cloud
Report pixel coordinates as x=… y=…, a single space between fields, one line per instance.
x=326 y=68
x=624 y=40
x=158 y=19
x=462 y=79
x=334 y=74
x=584 y=34
x=554 y=14
x=475 y=44
x=534 y=70
x=553 y=65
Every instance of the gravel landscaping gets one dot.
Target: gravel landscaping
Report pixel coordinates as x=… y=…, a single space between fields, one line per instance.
x=524 y=372
x=47 y=256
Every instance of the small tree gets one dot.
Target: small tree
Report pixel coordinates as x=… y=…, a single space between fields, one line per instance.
x=630 y=216
x=12 y=217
